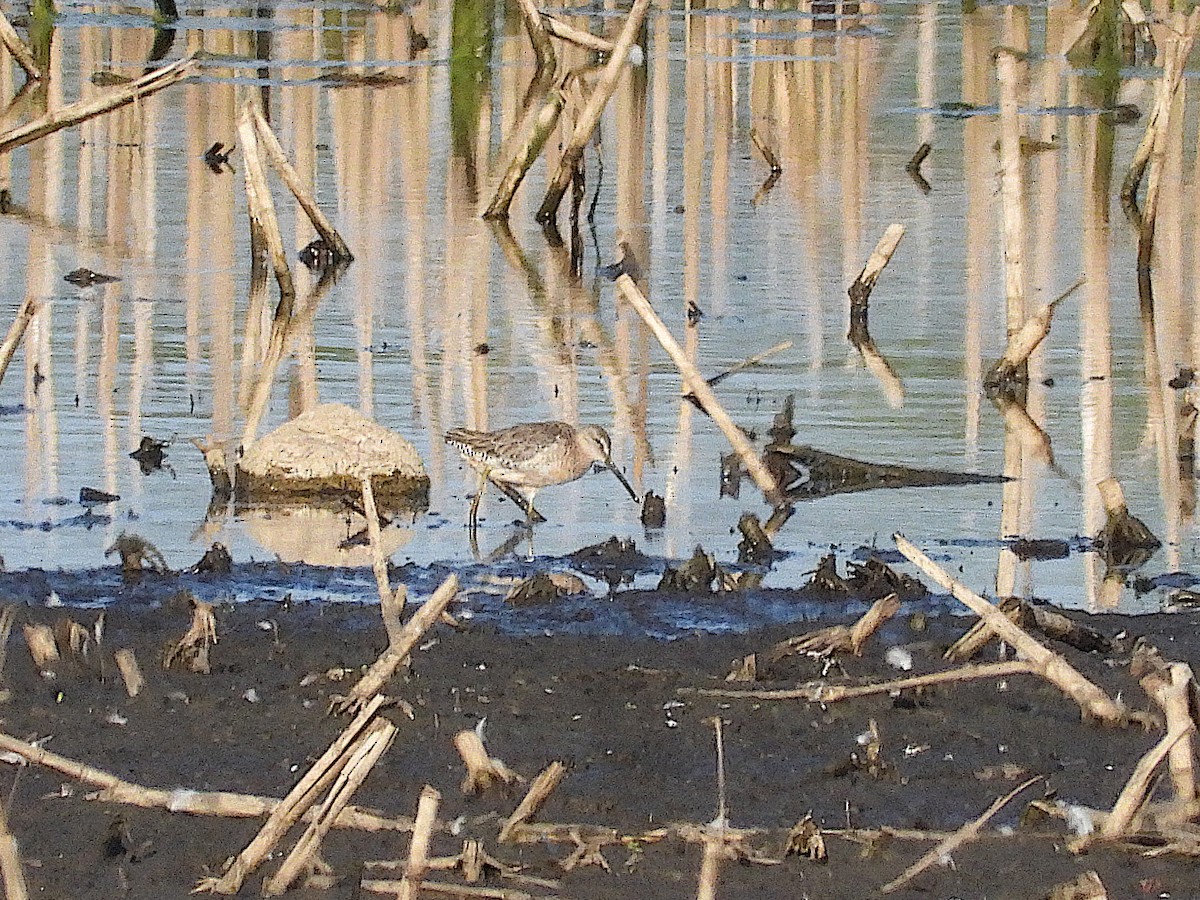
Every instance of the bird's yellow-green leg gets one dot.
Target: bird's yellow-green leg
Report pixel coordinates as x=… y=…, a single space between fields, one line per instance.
x=473 y=518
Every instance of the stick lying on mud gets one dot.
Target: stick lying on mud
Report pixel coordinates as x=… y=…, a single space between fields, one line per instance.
x=541 y=788
x=418 y=847
x=385 y=667
x=359 y=759
x=590 y=117
x=823 y=692
x=1094 y=702
x=88 y=109
x=16 y=331
x=967 y=833
x=195 y=803
x=696 y=384
x=21 y=53
x=11 y=870
x=319 y=777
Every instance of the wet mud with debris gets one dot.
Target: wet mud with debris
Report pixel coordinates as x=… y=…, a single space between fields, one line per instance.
x=617 y=710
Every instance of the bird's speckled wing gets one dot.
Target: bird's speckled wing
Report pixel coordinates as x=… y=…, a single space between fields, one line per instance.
x=528 y=454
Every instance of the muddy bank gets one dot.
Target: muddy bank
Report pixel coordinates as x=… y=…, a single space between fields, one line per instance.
x=640 y=754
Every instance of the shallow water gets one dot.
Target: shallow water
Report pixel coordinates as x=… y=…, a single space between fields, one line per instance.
x=402 y=171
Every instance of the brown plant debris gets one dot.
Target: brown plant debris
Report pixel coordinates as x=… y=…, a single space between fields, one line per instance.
x=482 y=770
x=191 y=649
x=1125 y=539
x=805 y=839
x=839 y=638
x=1087 y=886
x=138 y=555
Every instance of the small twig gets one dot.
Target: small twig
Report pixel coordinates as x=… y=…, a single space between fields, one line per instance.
x=967 y=833
x=823 y=692
x=767 y=153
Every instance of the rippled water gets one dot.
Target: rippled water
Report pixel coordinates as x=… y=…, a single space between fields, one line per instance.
x=442 y=323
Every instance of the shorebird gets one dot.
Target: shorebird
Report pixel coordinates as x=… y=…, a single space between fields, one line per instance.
x=524 y=458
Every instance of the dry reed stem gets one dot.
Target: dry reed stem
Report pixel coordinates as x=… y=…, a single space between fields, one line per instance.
x=392 y=886
x=1022 y=344
x=16 y=331
x=1169 y=686
x=539 y=37
x=20 y=52
x=7 y=617
x=710 y=869
x=823 y=692
x=978 y=636
x=541 y=788
x=698 y=386
x=860 y=291
x=589 y=118
x=542 y=121
x=391 y=603
x=42 y=647
x=1011 y=188
x=1178 y=50
x=767 y=153
x=131 y=673
x=1094 y=702
x=88 y=109
x=385 y=666
x=361 y=757
x=565 y=31
x=1133 y=795
x=965 y=834
x=11 y=870
x=418 y=848
x=482 y=770
x=196 y=803
x=289 y=810
x=291 y=178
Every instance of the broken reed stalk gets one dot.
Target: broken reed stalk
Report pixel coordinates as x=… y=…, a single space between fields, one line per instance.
x=196 y=803
x=20 y=52
x=823 y=692
x=860 y=291
x=319 y=776
x=1178 y=48
x=482 y=769
x=1170 y=686
x=590 y=117
x=360 y=758
x=696 y=385
x=392 y=886
x=544 y=122
x=7 y=618
x=1135 y=793
x=16 y=331
x=131 y=673
x=385 y=666
x=261 y=205
x=1022 y=344
x=1012 y=188
x=11 y=870
x=418 y=848
x=83 y=110
x=710 y=870
x=840 y=638
x=291 y=178
x=967 y=833
x=1094 y=702
x=391 y=603
x=565 y=31
x=535 y=27
x=541 y=788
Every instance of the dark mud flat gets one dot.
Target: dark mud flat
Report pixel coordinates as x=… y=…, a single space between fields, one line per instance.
x=641 y=755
